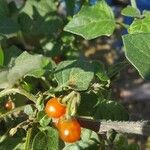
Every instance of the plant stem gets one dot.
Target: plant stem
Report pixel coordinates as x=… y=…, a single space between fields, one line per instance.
x=19 y=91
x=133 y=3
x=12 y=111
x=122 y=24
x=132 y=127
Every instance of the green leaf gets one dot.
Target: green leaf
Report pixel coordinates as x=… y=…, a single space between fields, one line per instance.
x=4 y=11
x=24 y=65
x=114 y=70
x=92 y=21
x=120 y=141
x=140 y=25
x=31 y=133
x=89 y=141
x=3 y=78
x=87 y=104
x=28 y=65
x=13 y=143
x=43 y=119
x=100 y=71
x=1 y=56
x=43 y=7
x=28 y=110
x=93 y=106
x=8 y=26
x=137 y=51
x=107 y=109
x=74 y=74
x=10 y=54
x=39 y=18
x=52 y=138
x=133 y=147
x=46 y=140
x=130 y=12
x=70 y=5
x=146 y=13
x=40 y=141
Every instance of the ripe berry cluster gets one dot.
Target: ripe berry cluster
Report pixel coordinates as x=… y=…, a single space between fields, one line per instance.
x=69 y=129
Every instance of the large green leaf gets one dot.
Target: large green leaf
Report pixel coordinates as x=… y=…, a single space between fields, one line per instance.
x=107 y=109
x=46 y=140
x=89 y=141
x=28 y=65
x=140 y=25
x=87 y=104
x=40 y=141
x=98 y=108
x=8 y=26
x=92 y=21
x=24 y=65
x=1 y=56
x=52 y=138
x=74 y=74
x=137 y=51
x=4 y=11
x=130 y=11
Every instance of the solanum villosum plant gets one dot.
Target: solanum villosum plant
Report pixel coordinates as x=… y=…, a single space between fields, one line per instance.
x=51 y=97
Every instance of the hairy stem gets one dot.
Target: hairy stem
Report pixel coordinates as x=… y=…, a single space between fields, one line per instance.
x=133 y=3
x=12 y=111
x=132 y=127
x=122 y=24
x=19 y=91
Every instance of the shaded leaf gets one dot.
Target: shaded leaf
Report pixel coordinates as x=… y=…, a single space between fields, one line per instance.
x=92 y=21
x=112 y=110
x=87 y=104
x=43 y=7
x=13 y=143
x=8 y=26
x=46 y=140
x=10 y=54
x=4 y=11
x=138 y=46
x=39 y=18
x=40 y=141
x=1 y=56
x=100 y=71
